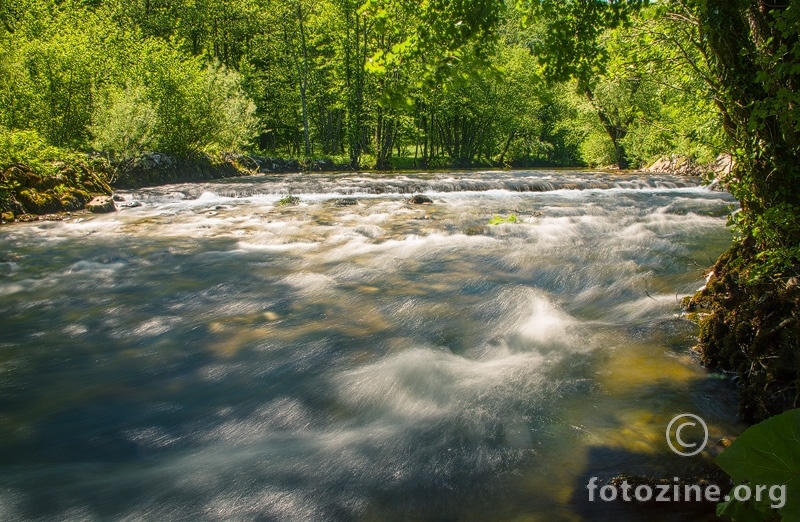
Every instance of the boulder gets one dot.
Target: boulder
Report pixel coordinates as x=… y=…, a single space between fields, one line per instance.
x=7 y=217
x=38 y=202
x=288 y=200
x=724 y=164
x=420 y=199
x=101 y=205
x=678 y=165
x=322 y=164
x=74 y=199
x=685 y=166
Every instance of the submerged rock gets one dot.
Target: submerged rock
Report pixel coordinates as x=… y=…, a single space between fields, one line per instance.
x=344 y=202
x=628 y=484
x=420 y=199
x=101 y=205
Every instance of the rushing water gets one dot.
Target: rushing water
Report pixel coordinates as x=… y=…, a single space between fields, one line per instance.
x=210 y=355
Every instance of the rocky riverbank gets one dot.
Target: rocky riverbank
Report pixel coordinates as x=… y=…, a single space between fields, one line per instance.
x=751 y=330
x=67 y=187
x=685 y=166
x=27 y=194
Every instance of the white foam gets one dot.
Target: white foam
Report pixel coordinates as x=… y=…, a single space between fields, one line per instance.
x=547 y=324
x=308 y=283
x=429 y=383
x=301 y=246
x=155 y=326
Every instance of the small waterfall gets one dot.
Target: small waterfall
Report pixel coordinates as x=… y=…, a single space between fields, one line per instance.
x=346 y=184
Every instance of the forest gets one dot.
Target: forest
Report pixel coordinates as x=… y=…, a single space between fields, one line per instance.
x=381 y=84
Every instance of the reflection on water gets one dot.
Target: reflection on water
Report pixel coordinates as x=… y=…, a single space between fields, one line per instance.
x=210 y=355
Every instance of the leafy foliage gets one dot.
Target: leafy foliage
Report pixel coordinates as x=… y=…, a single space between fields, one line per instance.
x=124 y=122
x=29 y=148
x=382 y=82
x=767 y=454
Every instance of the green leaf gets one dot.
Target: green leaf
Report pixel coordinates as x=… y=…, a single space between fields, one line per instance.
x=769 y=454
x=740 y=511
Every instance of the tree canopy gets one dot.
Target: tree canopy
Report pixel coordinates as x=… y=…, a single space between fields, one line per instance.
x=369 y=84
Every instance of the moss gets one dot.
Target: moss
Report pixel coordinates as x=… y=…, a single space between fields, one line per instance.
x=288 y=200
x=499 y=220
x=752 y=330
x=74 y=199
x=64 y=186
x=36 y=202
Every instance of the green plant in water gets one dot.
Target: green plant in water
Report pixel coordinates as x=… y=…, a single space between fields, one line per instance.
x=766 y=455
x=500 y=220
x=288 y=200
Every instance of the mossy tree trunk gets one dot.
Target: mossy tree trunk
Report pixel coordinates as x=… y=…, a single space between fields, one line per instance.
x=751 y=323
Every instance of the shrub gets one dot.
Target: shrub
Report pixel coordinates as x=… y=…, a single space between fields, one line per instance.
x=27 y=147
x=124 y=122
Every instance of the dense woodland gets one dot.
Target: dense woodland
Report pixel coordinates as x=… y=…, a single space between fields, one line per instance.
x=382 y=84
x=376 y=84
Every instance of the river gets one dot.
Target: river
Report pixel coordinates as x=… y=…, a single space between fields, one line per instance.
x=205 y=353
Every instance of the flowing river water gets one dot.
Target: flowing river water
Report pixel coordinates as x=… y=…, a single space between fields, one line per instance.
x=212 y=355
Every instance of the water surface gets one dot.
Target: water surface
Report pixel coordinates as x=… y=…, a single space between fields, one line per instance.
x=211 y=355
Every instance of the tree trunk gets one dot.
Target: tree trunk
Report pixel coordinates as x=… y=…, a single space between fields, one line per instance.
x=615 y=130
x=304 y=82
x=505 y=148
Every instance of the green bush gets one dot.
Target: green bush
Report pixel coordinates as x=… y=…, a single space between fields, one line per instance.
x=28 y=147
x=197 y=107
x=597 y=150
x=124 y=122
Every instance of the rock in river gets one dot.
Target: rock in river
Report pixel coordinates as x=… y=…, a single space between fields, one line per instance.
x=420 y=199
x=101 y=204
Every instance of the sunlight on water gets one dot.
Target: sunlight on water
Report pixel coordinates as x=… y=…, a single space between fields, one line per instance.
x=211 y=355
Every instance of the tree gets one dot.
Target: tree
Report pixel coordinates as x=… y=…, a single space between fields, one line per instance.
x=751 y=52
x=571 y=46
